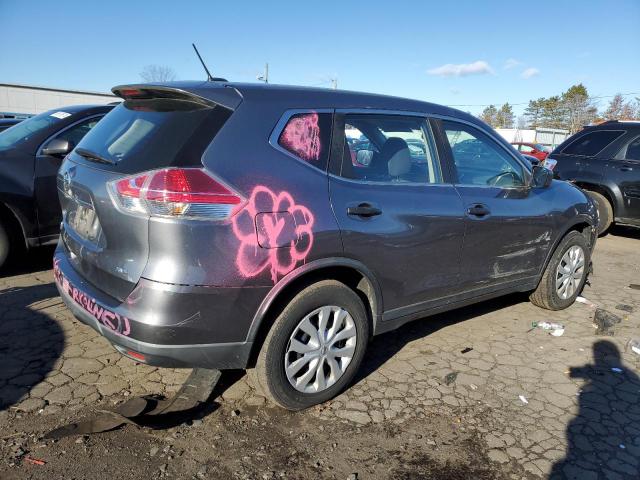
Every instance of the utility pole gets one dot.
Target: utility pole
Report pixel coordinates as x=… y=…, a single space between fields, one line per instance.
x=265 y=76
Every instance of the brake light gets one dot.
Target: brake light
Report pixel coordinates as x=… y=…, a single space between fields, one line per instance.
x=176 y=193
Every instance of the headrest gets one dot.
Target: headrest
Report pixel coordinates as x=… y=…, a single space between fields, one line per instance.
x=400 y=158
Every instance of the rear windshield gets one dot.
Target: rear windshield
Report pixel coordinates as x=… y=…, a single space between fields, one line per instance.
x=592 y=143
x=141 y=135
x=25 y=130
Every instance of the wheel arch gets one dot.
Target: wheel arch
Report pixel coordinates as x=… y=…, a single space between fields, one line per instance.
x=348 y=271
x=9 y=217
x=582 y=226
x=611 y=192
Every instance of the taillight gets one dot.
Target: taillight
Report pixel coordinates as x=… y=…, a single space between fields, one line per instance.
x=175 y=193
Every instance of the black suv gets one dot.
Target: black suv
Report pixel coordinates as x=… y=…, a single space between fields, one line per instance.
x=30 y=154
x=225 y=225
x=605 y=161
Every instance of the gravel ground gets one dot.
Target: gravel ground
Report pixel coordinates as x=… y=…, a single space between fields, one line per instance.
x=473 y=393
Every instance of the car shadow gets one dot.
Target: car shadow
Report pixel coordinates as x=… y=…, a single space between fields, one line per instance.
x=34 y=260
x=30 y=341
x=624 y=231
x=604 y=438
x=385 y=346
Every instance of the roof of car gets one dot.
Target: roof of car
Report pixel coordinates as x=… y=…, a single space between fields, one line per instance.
x=303 y=97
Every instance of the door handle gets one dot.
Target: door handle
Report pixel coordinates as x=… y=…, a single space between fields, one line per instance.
x=364 y=210
x=478 y=210
x=626 y=168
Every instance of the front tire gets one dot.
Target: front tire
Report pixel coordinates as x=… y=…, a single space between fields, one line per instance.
x=605 y=211
x=565 y=275
x=315 y=346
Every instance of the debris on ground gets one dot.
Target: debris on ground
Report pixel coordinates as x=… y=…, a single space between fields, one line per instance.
x=624 y=308
x=34 y=461
x=556 y=329
x=195 y=391
x=634 y=345
x=466 y=350
x=605 y=322
x=449 y=378
x=634 y=286
x=586 y=301
x=523 y=399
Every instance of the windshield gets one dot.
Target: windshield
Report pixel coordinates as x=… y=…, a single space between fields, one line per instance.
x=26 y=129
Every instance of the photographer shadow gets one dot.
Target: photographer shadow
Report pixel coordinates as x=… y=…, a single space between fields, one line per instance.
x=604 y=438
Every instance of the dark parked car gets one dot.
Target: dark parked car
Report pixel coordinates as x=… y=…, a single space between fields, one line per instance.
x=224 y=225
x=30 y=154
x=605 y=161
x=8 y=122
x=533 y=149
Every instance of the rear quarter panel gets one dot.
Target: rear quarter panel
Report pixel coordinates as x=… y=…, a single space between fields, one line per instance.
x=229 y=254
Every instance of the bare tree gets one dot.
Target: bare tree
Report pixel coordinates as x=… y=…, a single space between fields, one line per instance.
x=157 y=73
x=614 y=110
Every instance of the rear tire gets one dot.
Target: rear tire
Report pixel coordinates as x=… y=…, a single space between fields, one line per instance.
x=338 y=327
x=5 y=245
x=605 y=211
x=549 y=294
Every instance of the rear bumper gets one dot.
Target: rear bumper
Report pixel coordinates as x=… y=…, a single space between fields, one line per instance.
x=147 y=334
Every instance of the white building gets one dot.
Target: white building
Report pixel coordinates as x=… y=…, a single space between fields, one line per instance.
x=25 y=100
x=549 y=137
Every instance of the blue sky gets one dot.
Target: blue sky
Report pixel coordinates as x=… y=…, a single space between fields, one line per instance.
x=454 y=53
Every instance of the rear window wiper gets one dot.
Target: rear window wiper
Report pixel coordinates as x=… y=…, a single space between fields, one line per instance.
x=89 y=155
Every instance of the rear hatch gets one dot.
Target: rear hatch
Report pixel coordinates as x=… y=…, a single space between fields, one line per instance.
x=106 y=238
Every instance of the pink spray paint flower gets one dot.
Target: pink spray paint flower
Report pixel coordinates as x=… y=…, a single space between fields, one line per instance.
x=302 y=136
x=274 y=232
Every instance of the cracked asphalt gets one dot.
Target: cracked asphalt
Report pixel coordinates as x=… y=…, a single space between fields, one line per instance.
x=473 y=393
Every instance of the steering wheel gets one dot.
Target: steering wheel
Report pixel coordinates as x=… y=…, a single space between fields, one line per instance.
x=496 y=179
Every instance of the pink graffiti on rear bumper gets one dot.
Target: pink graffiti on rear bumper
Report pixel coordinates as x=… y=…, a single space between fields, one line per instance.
x=261 y=227
x=112 y=320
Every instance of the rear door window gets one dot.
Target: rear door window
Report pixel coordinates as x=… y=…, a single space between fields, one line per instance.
x=592 y=143
x=140 y=135
x=389 y=148
x=631 y=151
x=307 y=136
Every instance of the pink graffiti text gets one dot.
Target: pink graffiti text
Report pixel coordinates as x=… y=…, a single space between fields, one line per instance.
x=111 y=320
x=274 y=232
x=302 y=136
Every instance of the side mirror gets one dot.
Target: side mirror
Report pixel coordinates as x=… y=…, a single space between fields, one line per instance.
x=57 y=147
x=541 y=177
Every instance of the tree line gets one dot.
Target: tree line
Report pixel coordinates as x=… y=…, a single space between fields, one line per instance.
x=571 y=110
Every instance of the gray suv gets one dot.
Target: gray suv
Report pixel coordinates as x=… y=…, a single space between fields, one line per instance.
x=223 y=225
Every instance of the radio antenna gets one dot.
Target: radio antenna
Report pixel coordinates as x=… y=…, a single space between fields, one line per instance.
x=209 y=77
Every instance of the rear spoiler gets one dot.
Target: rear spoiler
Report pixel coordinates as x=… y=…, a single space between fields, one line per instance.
x=207 y=95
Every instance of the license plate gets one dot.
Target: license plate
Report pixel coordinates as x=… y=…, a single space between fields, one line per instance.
x=83 y=220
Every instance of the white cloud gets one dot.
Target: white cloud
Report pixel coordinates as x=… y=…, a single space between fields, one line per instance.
x=511 y=63
x=530 y=72
x=455 y=91
x=479 y=67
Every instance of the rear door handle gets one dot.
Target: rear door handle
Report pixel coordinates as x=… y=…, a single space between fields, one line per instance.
x=626 y=168
x=364 y=210
x=478 y=210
